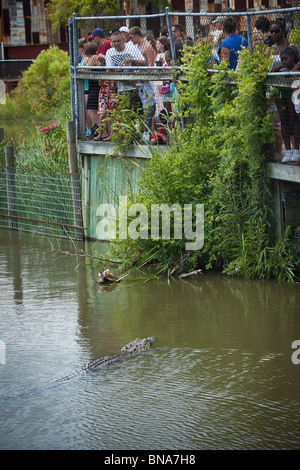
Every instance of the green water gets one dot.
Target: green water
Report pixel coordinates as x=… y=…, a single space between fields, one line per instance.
x=19 y=130
x=220 y=375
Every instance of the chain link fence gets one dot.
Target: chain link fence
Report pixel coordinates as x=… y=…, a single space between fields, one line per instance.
x=39 y=202
x=253 y=25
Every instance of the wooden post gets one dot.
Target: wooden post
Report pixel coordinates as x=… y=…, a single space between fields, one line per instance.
x=11 y=186
x=1 y=134
x=75 y=184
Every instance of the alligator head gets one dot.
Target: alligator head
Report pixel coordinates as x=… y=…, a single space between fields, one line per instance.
x=139 y=345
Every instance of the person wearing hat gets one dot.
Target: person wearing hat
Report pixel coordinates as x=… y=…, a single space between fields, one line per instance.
x=98 y=35
x=143 y=45
x=179 y=41
x=125 y=33
x=217 y=33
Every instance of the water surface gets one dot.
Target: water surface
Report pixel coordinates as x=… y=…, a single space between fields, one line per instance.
x=219 y=377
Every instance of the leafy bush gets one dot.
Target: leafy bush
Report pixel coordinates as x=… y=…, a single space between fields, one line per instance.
x=218 y=160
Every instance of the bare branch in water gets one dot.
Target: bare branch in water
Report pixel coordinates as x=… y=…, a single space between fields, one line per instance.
x=81 y=253
x=192 y=273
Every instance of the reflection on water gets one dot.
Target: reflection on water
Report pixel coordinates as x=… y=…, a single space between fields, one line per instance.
x=220 y=376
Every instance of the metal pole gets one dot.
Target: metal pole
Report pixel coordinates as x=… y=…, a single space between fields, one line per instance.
x=71 y=68
x=11 y=186
x=169 y=24
x=249 y=30
x=74 y=45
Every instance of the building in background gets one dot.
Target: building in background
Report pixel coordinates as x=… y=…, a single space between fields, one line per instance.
x=216 y=6
x=25 y=29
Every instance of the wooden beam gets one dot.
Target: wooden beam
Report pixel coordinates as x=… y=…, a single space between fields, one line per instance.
x=284 y=172
x=109 y=148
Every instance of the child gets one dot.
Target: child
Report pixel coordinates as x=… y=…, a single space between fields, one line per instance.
x=107 y=102
x=90 y=87
x=286 y=109
x=160 y=136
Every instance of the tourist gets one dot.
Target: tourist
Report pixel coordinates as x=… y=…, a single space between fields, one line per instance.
x=143 y=45
x=98 y=36
x=146 y=94
x=261 y=31
x=288 y=116
x=125 y=32
x=80 y=46
x=281 y=40
x=217 y=34
x=91 y=87
x=179 y=41
x=160 y=134
x=122 y=55
x=229 y=49
x=107 y=102
x=164 y=32
x=162 y=46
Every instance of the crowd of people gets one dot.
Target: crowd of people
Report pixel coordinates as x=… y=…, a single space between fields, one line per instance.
x=130 y=48
x=226 y=45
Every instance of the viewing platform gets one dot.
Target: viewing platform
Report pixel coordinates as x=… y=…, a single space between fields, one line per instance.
x=107 y=158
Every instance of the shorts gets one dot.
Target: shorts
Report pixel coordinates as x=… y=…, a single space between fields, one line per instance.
x=93 y=96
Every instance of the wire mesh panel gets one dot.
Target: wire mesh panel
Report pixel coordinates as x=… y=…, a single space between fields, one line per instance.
x=39 y=202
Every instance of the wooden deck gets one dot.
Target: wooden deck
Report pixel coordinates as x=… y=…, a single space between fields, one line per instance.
x=289 y=172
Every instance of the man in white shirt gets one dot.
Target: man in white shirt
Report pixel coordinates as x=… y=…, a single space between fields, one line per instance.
x=121 y=55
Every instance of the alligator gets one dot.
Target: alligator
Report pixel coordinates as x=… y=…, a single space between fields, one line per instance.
x=136 y=346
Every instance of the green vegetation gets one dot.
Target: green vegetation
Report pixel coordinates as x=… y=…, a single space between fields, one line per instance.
x=47 y=151
x=42 y=95
x=294 y=34
x=60 y=11
x=219 y=161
